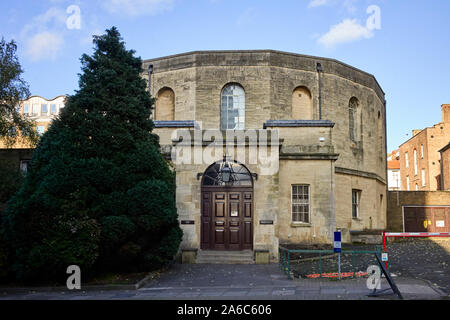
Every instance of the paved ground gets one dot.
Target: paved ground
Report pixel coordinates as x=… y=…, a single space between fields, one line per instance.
x=423 y=259
x=421 y=268
x=239 y=282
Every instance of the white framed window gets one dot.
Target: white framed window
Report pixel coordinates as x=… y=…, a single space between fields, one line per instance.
x=407 y=183
x=356 y=198
x=44 y=109
x=24 y=165
x=417 y=187
x=415 y=162
x=421 y=151
x=232 y=112
x=35 y=109
x=53 y=109
x=300 y=203
x=26 y=109
x=406 y=160
x=423 y=178
x=40 y=130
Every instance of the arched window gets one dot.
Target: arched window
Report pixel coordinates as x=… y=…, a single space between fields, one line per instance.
x=302 y=104
x=239 y=175
x=165 y=105
x=232 y=112
x=353 y=119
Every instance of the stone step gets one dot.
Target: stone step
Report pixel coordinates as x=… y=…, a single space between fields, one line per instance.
x=225 y=257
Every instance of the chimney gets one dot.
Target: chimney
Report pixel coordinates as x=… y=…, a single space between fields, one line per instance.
x=446 y=113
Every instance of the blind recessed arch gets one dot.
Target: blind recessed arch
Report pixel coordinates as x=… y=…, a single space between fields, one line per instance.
x=302 y=108
x=165 y=105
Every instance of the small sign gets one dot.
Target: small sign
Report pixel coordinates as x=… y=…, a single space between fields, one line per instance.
x=384 y=257
x=187 y=222
x=266 y=222
x=337 y=242
x=440 y=223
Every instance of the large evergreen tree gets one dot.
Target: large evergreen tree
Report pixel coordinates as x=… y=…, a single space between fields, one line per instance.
x=98 y=193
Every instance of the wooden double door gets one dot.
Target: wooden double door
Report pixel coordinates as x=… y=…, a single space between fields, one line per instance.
x=227 y=219
x=427 y=219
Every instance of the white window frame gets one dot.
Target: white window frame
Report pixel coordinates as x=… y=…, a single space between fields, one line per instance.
x=56 y=108
x=357 y=204
x=421 y=151
x=35 y=109
x=234 y=102
x=24 y=166
x=424 y=183
x=44 y=113
x=300 y=221
x=406 y=160
x=407 y=184
x=40 y=132
x=415 y=162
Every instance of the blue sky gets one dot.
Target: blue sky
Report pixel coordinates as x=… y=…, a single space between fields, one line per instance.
x=406 y=44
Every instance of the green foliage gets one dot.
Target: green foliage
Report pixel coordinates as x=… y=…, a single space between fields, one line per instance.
x=13 y=89
x=98 y=193
x=11 y=180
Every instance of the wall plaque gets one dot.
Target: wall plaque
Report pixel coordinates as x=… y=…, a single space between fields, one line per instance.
x=266 y=222
x=187 y=222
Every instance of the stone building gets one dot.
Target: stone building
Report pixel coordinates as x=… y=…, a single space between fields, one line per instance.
x=40 y=110
x=270 y=147
x=420 y=167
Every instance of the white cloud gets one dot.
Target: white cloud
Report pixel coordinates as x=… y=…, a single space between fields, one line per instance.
x=43 y=36
x=345 y=32
x=44 y=45
x=137 y=7
x=317 y=3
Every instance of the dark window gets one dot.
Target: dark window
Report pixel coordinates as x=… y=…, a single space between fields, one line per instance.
x=356 y=197
x=300 y=203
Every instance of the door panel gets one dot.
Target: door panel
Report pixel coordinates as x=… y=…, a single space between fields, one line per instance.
x=227 y=220
x=247 y=223
x=205 y=238
x=426 y=219
x=219 y=241
x=439 y=221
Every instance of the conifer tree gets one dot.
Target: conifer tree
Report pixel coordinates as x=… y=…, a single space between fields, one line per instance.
x=98 y=192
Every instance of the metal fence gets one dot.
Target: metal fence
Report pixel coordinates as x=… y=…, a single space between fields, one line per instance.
x=324 y=261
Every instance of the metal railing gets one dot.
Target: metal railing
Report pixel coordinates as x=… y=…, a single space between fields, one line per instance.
x=285 y=256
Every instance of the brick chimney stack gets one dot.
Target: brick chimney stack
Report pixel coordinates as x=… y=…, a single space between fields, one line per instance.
x=446 y=113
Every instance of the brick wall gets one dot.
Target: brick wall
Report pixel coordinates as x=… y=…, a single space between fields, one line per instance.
x=398 y=199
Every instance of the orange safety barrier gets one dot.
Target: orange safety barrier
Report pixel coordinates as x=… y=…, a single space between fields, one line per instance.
x=336 y=275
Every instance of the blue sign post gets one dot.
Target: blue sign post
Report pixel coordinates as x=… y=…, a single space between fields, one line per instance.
x=337 y=242
x=338 y=249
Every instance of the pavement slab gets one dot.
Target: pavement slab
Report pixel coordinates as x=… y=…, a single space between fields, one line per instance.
x=243 y=282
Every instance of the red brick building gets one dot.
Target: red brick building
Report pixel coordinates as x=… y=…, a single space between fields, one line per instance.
x=420 y=159
x=445 y=167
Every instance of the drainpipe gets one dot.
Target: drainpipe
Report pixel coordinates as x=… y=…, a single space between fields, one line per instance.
x=319 y=70
x=332 y=218
x=150 y=71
